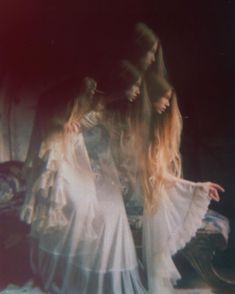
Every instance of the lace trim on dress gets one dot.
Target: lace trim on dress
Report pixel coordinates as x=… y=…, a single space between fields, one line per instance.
x=192 y=221
x=180 y=214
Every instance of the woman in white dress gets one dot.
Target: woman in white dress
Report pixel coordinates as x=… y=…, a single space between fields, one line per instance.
x=174 y=208
x=81 y=240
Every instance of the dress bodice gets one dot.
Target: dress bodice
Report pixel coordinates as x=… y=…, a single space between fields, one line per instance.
x=97 y=141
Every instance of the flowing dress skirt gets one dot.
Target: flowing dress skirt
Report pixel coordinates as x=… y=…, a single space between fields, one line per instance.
x=94 y=251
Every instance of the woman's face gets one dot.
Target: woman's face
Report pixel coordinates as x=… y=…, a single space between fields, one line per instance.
x=149 y=57
x=133 y=91
x=161 y=104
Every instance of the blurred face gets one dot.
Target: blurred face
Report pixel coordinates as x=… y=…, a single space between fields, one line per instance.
x=92 y=93
x=163 y=103
x=134 y=91
x=89 y=87
x=149 y=57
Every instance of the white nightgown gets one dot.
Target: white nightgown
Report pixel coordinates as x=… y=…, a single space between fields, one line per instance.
x=180 y=214
x=81 y=239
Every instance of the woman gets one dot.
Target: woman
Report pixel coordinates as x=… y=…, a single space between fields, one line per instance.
x=124 y=116
x=174 y=208
x=146 y=50
x=81 y=240
x=160 y=163
x=146 y=55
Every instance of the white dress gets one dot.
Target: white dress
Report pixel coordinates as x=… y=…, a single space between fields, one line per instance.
x=180 y=214
x=81 y=240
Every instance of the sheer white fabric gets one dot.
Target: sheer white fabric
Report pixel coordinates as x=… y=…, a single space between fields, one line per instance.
x=180 y=214
x=81 y=240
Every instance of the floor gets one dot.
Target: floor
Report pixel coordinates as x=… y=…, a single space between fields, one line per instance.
x=15 y=269
x=14 y=262
x=192 y=280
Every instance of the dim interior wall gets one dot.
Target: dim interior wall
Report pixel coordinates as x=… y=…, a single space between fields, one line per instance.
x=17 y=117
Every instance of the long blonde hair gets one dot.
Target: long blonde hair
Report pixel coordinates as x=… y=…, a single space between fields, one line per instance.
x=125 y=119
x=151 y=143
x=162 y=158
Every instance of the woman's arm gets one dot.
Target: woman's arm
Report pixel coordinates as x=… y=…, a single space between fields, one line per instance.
x=214 y=188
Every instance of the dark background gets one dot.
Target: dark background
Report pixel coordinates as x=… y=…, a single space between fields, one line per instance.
x=47 y=41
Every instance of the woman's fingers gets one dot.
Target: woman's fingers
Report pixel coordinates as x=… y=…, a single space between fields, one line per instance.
x=214 y=190
x=217 y=186
x=75 y=127
x=72 y=127
x=213 y=194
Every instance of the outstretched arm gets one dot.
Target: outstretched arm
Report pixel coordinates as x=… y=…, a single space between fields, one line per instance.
x=214 y=190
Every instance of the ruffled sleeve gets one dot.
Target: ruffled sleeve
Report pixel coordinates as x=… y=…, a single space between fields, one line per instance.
x=45 y=199
x=176 y=221
x=63 y=190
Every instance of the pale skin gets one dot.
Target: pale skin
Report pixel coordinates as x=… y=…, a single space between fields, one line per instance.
x=134 y=91
x=214 y=190
x=72 y=127
x=149 y=57
x=160 y=106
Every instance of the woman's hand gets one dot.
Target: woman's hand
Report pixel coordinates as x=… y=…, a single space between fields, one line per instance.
x=72 y=127
x=214 y=190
